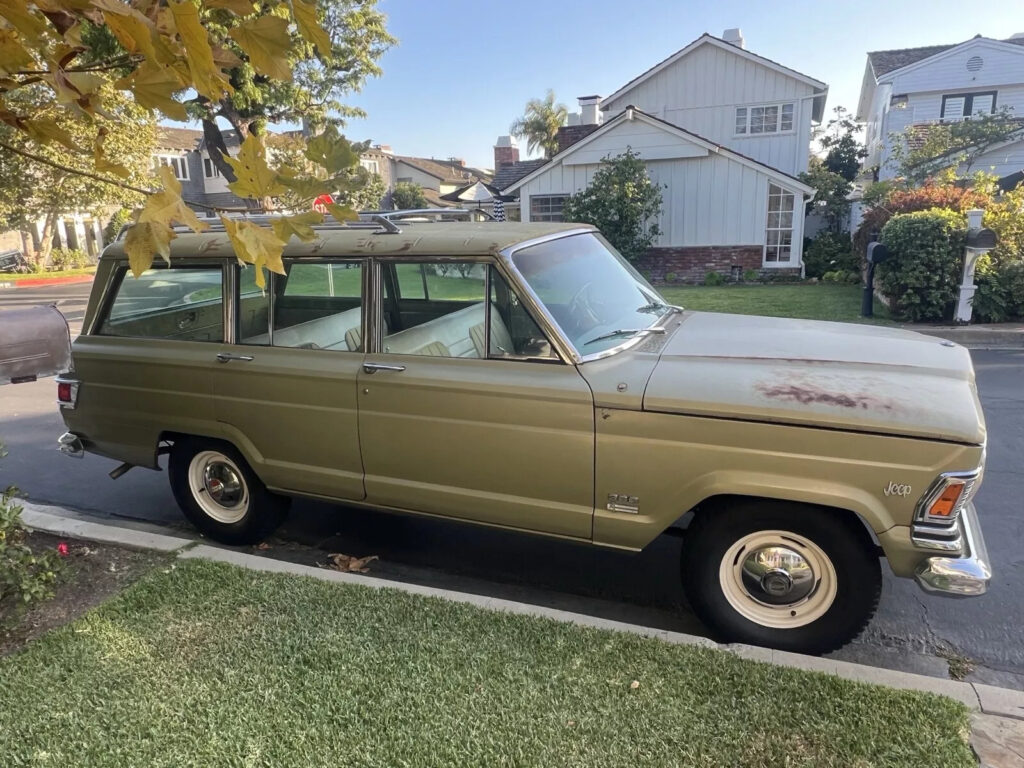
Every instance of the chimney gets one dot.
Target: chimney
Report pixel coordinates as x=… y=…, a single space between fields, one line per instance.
x=506 y=152
x=734 y=36
x=590 y=110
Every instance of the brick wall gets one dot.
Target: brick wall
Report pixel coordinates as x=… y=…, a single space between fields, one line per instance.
x=691 y=264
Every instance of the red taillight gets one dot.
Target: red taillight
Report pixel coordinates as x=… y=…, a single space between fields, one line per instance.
x=64 y=391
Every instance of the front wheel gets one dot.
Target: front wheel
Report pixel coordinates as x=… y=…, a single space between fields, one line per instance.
x=220 y=494
x=780 y=575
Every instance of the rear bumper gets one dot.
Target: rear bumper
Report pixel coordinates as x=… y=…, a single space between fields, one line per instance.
x=964 y=576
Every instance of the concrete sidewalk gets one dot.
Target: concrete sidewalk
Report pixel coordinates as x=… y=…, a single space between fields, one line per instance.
x=998 y=723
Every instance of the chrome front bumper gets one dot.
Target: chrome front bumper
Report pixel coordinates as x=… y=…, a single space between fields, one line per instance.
x=964 y=576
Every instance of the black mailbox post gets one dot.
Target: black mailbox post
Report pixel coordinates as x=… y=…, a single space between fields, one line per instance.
x=877 y=253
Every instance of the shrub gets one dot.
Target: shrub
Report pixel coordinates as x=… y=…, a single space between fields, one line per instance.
x=69 y=258
x=923 y=273
x=1000 y=294
x=671 y=277
x=1006 y=218
x=751 y=276
x=622 y=202
x=929 y=196
x=121 y=217
x=830 y=251
x=25 y=577
x=714 y=278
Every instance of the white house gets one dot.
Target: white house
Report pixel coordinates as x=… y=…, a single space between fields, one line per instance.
x=918 y=87
x=725 y=132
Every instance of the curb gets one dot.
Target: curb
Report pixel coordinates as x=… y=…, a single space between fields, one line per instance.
x=987 y=699
x=37 y=282
x=984 y=338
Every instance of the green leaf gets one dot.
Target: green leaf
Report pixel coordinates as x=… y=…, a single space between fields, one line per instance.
x=305 y=15
x=342 y=213
x=332 y=151
x=267 y=43
x=305 y=187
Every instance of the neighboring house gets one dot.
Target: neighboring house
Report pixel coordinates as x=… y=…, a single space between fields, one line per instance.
x=436 y=177
x=914 y=88
x=724 y=131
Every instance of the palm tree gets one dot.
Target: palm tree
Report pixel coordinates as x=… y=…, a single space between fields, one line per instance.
x=540 y=123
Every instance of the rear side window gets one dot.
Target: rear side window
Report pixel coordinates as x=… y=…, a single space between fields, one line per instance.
x=186 y=304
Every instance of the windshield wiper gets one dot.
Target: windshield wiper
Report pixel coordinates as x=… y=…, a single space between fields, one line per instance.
x=656 y=306
x=623 y=332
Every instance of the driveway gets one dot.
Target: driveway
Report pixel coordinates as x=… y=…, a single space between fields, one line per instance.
x=911 y=631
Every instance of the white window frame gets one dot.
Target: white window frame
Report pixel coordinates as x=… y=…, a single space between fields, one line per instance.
x=968 y=105
x=776 y=189
x=178 y=162
x=548 y=216
x=209 y=165
x=371 y=165
x=743 y=119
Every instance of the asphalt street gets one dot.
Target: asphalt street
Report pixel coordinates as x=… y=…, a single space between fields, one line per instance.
x=912 y=631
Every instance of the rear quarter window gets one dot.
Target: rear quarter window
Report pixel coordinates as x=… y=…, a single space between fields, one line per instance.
x=186 y=304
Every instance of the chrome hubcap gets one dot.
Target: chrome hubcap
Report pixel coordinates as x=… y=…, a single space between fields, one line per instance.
x=223 y=484
x=777 y=575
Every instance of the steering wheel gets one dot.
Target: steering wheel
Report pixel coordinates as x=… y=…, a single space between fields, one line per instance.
x=582 y=306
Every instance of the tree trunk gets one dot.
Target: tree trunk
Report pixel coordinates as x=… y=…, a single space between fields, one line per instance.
x=218 y=149
x=46 y=240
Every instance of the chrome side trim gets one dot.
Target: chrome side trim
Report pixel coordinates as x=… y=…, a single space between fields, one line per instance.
x=965 y=576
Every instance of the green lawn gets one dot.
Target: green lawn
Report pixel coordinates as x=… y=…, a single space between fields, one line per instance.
x=209 y=665
x=821 y=301
x=13 y=276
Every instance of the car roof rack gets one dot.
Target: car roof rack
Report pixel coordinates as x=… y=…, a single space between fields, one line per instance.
x=376 y=223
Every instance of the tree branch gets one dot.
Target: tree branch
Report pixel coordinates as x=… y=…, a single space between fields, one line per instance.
x=112 y=182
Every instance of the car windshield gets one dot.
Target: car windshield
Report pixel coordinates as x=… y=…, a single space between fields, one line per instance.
x=596 y=298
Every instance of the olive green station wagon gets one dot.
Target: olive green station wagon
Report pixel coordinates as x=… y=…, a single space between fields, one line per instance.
x=525 y=376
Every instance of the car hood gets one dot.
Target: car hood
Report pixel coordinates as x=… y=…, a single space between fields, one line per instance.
x=833 y=375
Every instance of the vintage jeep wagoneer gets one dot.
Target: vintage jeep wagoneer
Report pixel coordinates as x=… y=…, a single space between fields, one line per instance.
x=525 y=376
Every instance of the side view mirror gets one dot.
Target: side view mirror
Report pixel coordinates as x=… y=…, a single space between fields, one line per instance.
x=34 y=342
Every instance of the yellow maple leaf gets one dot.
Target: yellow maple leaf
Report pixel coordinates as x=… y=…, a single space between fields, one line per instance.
x=300 y=225
x=13 y=55
x=254 y=178
x=266 y=42
x=255 y=245
x=166 y=206
x=17 y=14
x=133 y=30
x=342 y=213
x=237 y=7
x=332 y=151
x=208 y=80
x=305 y=15
x=44 y=131
x=154 y=87
x=146 y=240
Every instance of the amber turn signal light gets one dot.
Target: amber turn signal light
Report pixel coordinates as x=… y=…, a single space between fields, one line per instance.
x=946 y=503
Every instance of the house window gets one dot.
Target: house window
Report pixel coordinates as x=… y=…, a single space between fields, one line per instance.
x=770 y=118
x=546 y=207
x=779 y=239
x=963 y=106
x=210 y=168
x=370 y=165
x=178 y=162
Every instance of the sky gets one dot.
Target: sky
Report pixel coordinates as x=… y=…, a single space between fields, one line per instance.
x=463 y=70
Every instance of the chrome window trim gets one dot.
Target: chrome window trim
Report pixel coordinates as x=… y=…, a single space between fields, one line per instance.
x=564 y=347
x=229 y=286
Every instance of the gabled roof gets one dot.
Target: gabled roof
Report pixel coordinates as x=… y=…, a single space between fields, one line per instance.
x=884 y=62
x=449 y=171
x=508 y=175
x=707 y=39
x=632 y=113
x=187 y=139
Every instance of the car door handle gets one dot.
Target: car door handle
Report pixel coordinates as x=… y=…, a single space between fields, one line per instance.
x=227 y=357
x=374 y=367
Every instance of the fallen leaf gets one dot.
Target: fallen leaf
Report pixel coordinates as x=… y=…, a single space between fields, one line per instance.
x=635 y=684
x=349 y=564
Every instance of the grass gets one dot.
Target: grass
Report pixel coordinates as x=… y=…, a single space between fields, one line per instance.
x=15 y=276
x=820 y=301
x=209 y=665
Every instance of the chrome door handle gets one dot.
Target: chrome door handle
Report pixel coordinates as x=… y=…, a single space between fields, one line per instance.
x=374 y=367
x=226 y=357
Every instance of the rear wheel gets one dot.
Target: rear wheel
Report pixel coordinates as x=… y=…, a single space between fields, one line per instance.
x=221 y=495
x=781 y=575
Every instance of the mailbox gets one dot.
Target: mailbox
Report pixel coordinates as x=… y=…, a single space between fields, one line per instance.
x=981 y=238
x=877 y=253
x=34 y=342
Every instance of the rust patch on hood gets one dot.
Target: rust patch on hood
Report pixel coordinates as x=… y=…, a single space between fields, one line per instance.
x=808 y=394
